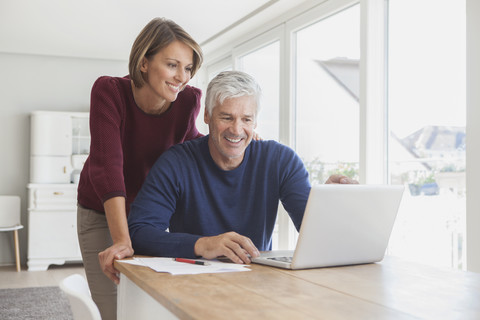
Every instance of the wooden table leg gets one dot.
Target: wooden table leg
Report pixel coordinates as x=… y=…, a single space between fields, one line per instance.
x=17 y=250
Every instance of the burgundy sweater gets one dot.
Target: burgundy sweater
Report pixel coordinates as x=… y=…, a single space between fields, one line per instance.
x=126 y=141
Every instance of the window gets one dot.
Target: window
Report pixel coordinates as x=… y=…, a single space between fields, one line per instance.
x=211 y=71
x=406 y=126
x=327 y=94
x=427 y=118
x=215 y=68
x=263 y=65
x=261 y=59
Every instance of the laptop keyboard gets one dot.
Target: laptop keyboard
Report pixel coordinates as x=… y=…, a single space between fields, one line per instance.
x=283 y=259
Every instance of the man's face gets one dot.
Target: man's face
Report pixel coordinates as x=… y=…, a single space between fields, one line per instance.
x=231 y=128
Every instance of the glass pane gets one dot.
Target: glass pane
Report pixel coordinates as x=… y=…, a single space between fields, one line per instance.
x=80 y=135
x=327 y=85
x=427 y=115
x=264 y=65
x=212 y=72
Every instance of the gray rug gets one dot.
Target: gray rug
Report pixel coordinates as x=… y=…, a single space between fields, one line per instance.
x=34 y=303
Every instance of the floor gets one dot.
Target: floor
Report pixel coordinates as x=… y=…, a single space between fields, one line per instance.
x=10 y=278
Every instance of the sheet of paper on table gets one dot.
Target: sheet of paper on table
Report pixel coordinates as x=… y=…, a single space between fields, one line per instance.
x=176 y=268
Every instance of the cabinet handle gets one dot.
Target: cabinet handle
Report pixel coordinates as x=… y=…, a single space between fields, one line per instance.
x=64 y=169
x=58 y=193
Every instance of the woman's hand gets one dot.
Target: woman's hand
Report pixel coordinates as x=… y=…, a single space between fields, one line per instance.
x=340 y=179
x=107 y=256
x=122 y=245
x=256 y=136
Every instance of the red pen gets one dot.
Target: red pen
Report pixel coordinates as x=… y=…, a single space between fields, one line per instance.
x=191 y=261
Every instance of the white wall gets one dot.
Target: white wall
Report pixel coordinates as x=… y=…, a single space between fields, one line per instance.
x=35 y=82
x=473 y=135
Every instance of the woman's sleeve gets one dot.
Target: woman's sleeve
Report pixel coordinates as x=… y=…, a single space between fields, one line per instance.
x=192 y=131
x=106 y=153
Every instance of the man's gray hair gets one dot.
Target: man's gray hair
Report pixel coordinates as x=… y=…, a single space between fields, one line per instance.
x=231 y=84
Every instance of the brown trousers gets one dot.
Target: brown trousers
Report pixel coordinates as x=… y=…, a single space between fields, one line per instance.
x=94 y=237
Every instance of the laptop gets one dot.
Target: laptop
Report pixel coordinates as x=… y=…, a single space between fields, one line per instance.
x=342 y=225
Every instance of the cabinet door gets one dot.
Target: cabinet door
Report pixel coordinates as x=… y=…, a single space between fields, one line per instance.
x=51 y=135
x=50 y=169
x=53 y=235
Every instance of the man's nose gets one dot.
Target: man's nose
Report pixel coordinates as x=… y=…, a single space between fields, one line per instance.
x=236 y=127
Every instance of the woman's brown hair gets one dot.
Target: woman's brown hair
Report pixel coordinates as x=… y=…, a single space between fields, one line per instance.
x=155 y=36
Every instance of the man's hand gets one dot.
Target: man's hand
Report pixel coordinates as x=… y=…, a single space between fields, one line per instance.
x=232 y=245
x=340 y=179
x=107 y=256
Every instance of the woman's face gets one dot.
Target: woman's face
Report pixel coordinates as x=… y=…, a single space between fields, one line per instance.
x=168 y=71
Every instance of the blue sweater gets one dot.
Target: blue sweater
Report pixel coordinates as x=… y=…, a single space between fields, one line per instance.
x=186 y=192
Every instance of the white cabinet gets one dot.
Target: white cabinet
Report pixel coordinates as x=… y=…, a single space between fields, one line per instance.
x=52 y=232
x=60 y=143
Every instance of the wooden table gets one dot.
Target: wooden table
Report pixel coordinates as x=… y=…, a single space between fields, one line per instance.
x=391 y=289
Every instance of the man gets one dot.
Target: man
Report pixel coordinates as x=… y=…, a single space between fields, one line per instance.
x=218 y=195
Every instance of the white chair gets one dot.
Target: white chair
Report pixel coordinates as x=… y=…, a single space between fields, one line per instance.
x=76 y=289
x=10 y=221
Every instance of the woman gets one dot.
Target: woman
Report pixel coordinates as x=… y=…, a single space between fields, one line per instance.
x=133 y=120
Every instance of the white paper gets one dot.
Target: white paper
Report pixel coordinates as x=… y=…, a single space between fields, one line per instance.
x=176 y=268
x=133 y=261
